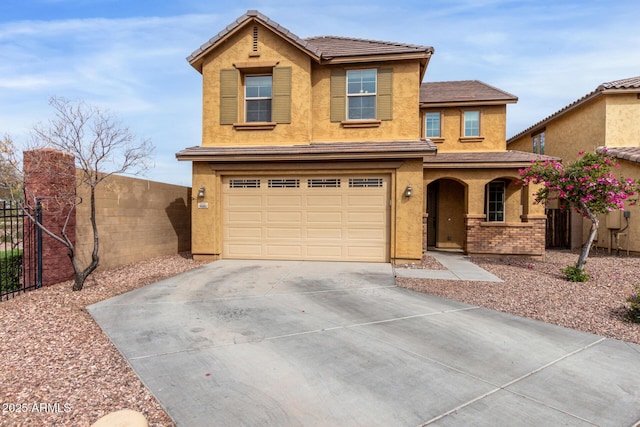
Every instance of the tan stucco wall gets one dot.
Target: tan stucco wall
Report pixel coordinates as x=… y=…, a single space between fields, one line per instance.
x=407 y=227
x=137 y=219
x=632 y=238
x=271 y=48
x=582 y=129
x=623 y=120
x=493 y=121
x=406 y=118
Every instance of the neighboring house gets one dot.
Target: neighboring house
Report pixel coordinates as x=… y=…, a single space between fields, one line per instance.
x=330 y=148
x=607 y=117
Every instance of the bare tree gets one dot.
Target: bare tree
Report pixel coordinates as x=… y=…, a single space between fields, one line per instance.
x=10 y=177
x=100 y=146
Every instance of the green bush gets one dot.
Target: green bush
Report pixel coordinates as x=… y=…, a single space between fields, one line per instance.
x=10 y=270
x=575 y=274
x=633 y=309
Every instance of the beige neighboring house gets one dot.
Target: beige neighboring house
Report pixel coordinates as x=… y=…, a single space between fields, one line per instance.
x=608 y=117
x=331 y=148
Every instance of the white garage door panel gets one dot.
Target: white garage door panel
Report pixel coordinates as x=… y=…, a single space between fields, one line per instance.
x=339 y=218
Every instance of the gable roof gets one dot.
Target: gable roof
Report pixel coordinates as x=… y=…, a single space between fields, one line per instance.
x=629 y=85
x=323 y=49
x=453 y=93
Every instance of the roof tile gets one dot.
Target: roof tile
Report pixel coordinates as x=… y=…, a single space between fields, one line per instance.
x=631 y=154
x=462 y=91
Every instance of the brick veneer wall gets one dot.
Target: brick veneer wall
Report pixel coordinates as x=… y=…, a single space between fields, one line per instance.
x=495 y=238
x=49 y=176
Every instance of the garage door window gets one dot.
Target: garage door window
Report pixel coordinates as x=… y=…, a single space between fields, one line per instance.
x=365 y=182
x=284 y=183
x=323 y=183
x=244 y=183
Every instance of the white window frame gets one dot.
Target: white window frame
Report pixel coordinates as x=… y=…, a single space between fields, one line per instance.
x=362 y=94
x=248 y=99
x=464 y=123
x=426 y=124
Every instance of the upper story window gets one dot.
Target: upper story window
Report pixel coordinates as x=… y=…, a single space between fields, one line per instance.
x=432 y=125
x=361 y=94
x=258 y=98
x=471 y=122
x=538 y=143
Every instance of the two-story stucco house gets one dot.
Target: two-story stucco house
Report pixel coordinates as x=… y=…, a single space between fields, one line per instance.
x=332 y=148
x=608 y=117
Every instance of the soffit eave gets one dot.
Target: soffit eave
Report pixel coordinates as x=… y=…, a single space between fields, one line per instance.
x=477 y=165
x=261 y=158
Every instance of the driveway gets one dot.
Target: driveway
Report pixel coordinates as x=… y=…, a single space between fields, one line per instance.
x=338 y=344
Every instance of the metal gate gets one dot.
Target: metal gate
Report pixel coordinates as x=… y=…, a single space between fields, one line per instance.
x=20 y=249
x=558 y=229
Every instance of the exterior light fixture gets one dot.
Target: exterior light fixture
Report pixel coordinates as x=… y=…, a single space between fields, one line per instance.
x=201 y=192
x=408 y=191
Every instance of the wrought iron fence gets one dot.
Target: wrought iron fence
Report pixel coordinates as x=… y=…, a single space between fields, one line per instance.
x=20 y=250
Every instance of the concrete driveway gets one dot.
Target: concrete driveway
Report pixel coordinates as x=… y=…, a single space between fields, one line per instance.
x=337 y=344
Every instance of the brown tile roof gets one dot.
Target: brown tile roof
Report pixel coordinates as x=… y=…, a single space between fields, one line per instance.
x=313 y=151
x=462 y=92
x=484 y=159
x=335 y=47
x=324 y=48
x=631 y=84
x=631 y=154
x=252 y=15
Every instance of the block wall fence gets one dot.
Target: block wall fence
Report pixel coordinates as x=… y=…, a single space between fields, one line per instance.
x=137 y=219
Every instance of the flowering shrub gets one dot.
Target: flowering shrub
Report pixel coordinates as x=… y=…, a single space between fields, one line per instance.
x=587 y=184
x=633 y=310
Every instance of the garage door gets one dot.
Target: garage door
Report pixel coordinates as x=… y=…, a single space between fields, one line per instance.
x=333 y=218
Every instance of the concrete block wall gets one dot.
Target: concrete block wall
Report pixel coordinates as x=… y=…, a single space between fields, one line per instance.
x=137 y=219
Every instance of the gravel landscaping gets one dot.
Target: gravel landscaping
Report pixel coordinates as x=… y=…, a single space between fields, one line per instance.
x=58 y=368
x=537 y=289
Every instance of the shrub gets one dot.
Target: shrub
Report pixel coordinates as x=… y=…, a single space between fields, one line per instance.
x=10 y=270
x=633 y=309
x=575 y=274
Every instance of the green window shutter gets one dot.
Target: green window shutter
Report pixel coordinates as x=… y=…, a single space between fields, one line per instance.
x=338 y=95
x=228 y=96
x=281 y=97
x=385 y=91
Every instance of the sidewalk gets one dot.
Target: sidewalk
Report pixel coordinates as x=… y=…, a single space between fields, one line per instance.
x=458 y=267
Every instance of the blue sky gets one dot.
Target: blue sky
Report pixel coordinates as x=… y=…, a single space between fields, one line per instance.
x=129 y=55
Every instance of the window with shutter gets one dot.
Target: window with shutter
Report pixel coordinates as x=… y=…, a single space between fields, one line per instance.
x=228 y=96
x=338 y=95
x=281 y=108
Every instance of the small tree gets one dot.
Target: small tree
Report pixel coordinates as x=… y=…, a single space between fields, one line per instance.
x=587 y=184
x=100 y=146
x=10 y=178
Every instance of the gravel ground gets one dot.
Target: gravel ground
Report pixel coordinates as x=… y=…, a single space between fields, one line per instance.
x=537 y=289
x=57 y=368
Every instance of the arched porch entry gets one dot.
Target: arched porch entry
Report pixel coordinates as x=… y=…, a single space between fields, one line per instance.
x=446 y=209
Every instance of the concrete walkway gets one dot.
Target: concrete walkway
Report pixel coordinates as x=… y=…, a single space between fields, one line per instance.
x=338 y=344
x=458 y=267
